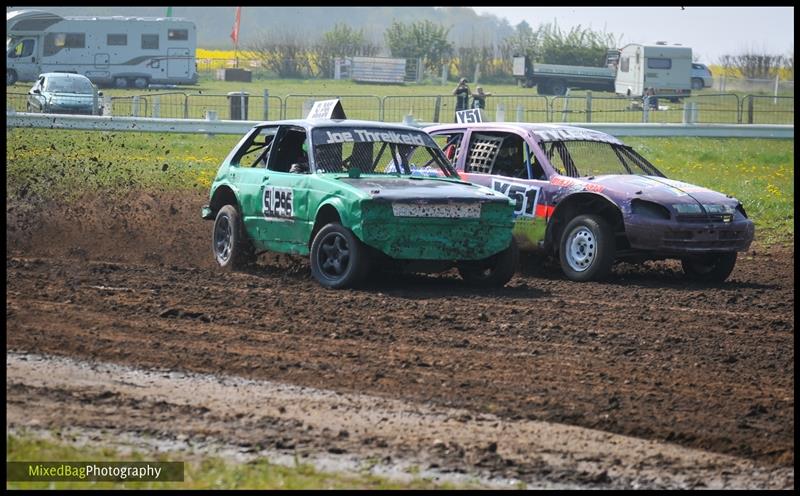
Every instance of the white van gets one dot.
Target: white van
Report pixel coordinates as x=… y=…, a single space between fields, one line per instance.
x=665 y=68
x=119 y=51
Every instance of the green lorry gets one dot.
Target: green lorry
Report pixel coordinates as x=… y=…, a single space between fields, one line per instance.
x=554 y=79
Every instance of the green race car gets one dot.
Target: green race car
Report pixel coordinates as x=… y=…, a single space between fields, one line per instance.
x=353 y=195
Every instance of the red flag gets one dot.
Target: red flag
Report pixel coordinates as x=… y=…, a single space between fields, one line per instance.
x=235 y=32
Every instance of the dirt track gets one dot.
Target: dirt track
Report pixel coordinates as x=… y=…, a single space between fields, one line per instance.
x=644 y=354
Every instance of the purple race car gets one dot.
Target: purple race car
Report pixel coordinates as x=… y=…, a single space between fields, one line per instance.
x=591 y=200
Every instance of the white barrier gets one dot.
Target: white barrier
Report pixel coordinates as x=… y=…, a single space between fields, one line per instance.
x=139 y=124
x=200 y=126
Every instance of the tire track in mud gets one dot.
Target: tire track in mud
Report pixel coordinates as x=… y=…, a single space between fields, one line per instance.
x=254 y=415
x=658 y=382
x=643 y=354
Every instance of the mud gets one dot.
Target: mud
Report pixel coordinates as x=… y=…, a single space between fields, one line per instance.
x=644 y=354
x=354 y=431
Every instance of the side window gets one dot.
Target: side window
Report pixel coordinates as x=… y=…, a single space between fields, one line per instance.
x=75 y=40
x=537 y=171
x=256 y=152
x=483 y=150
x=510 y=161
x=23 y=49
x=178 y=34
x=450 y=144
x=287 y=154
x=53 y=43
x=624 y=64
x=659 y=63
x=120 y=39
x=150 y=41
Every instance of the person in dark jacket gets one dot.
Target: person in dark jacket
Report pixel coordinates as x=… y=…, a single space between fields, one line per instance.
x=479 y=98
x=462 y=94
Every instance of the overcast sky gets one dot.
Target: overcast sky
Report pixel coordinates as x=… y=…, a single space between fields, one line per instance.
x=710 y=31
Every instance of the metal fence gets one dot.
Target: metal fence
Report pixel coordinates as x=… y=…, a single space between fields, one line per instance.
x=721 y=109
x=17 y=101
x=707 y=109
x=177 y=105
x=366 y=107
x=767 y=110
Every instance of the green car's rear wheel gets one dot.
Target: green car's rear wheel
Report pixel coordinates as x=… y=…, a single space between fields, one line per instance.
x=338 y=258
x=229 y=243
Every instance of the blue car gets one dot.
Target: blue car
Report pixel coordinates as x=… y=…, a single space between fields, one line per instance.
x=701 y=77
x=64 y=93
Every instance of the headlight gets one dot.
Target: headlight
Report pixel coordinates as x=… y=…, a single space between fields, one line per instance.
x=649 y=209
x=687 y=208
x=719 y=209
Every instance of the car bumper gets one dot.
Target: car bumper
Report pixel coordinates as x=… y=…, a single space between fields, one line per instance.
x=685 y=237
x=437 y=239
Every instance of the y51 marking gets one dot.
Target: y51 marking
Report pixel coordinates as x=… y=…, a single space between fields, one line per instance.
x=526 y=196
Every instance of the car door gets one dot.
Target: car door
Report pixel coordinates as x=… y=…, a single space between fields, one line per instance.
x=23 y=59
x=284 y=191
x=247 y=174
x=506 y=161
x=35 y=97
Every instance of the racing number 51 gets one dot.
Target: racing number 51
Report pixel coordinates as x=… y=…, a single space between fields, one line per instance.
x=524 y=199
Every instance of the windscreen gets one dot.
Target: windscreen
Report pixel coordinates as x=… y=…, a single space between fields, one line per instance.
x=68 y=85
x=580 y=158
x=378 y=151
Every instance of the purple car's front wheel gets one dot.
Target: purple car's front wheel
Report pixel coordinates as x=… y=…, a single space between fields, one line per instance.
x=586 y=250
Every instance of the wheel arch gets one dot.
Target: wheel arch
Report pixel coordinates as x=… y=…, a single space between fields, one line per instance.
x=581 y=203
x=223 y=195
x=327 y=212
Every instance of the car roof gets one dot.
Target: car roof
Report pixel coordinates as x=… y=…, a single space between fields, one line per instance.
x=546 y=132
x=319 y=123
x=64 y=75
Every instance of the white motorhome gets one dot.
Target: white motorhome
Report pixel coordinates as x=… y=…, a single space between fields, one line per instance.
x=119 y=51
x=665 y=68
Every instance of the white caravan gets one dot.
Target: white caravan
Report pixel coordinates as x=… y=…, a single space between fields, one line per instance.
x=119 y=51
x=665 y=68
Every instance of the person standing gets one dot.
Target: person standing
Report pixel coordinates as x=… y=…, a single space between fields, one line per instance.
x=479 y=98
x=650 y=99
x=462 y=94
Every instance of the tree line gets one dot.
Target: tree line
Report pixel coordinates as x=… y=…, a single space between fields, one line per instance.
x=289 y=53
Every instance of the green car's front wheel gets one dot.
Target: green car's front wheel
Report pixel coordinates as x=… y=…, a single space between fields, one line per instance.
x=229 y=243
x=338 y=258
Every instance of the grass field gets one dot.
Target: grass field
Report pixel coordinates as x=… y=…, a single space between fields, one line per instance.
x=365 y=101
x=199 y=472
x=63 y=164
